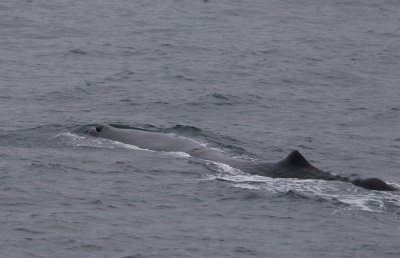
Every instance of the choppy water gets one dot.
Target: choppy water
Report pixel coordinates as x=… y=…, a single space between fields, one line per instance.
x=255 y=79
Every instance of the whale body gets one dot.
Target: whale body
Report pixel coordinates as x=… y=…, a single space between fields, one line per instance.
x=293 y=166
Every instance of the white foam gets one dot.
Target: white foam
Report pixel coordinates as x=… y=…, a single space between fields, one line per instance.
x=246 y=186
x=125 y=145
x=216 y=149
x=200 y=143
x=67 y=135
x=362 y=203
x=177 y=154
x=71 y=139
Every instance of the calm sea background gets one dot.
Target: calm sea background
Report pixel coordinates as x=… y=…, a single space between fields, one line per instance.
x=252 y=78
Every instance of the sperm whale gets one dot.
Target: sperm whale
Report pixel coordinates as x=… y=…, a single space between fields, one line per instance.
x=292 y=166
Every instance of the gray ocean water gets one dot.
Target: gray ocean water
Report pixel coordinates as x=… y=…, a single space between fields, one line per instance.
x=252 y=78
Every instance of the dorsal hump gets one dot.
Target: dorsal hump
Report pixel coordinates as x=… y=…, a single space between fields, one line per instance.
x=296 y=159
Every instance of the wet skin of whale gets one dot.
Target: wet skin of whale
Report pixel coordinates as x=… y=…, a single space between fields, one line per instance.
x=293 y=166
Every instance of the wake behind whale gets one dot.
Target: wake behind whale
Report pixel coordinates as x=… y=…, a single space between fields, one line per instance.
x=293 y=166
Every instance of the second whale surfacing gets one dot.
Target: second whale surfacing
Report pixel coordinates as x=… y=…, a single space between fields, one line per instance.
x=293 y=166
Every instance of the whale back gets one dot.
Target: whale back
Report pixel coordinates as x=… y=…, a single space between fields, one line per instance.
x=294 y=166
x=373 y=184
x=295 y=159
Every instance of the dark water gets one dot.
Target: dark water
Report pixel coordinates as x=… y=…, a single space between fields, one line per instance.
x=255 y=79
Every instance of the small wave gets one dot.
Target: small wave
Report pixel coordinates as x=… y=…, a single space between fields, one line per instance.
x=183 y=129
x=78 y=51
x=119 y=76
x=219 y=96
